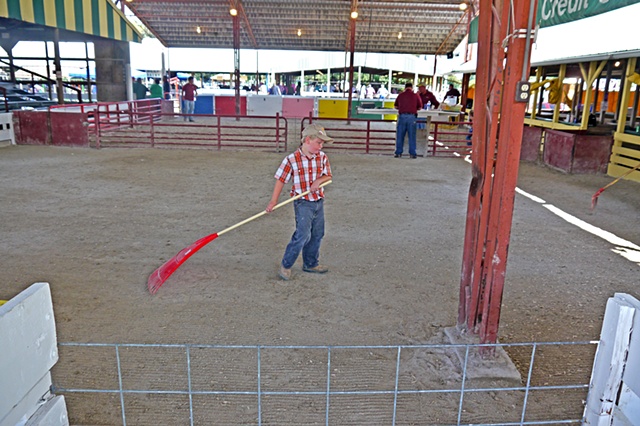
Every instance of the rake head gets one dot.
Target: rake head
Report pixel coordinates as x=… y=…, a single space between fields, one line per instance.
x=594 y=198
x=160 y=275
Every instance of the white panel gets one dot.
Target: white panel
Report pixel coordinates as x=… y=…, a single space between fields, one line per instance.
x=51 y=413
x=29 y=403
x=632 y=369
x=264 y=105
x=613 y=358
x=628 y=410
x=6 y=128
x=28 y=342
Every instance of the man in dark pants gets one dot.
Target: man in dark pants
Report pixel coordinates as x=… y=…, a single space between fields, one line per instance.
x=407 y=103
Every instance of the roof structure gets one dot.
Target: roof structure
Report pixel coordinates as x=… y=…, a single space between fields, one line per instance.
x=385 y=26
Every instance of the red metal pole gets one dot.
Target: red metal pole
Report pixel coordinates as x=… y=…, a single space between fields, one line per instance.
x=492 y=190
x=236 y=56
x=97 y=123
x=152 y=130
x=368 y=142
x=277 y=132
x=352 y=48
x=219 y=133
x=507 y=165
x=489 y=84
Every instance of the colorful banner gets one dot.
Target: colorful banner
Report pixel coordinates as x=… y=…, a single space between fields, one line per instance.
x=96 y=17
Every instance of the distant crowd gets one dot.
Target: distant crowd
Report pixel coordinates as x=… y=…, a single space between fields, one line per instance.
x=161 y=88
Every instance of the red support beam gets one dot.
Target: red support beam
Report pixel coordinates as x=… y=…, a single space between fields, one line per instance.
x=352 y=49
x=507 y=161
x=236 y=60
x=249 y=29
x=503 y=60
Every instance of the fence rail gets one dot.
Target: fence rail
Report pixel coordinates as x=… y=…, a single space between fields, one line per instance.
x=441 y=139
x=450 y=139
x=146 y=123
x=113 y=115
x=330 y=385
x=120 y=128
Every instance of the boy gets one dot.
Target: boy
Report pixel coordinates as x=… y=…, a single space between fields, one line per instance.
x=310 y=168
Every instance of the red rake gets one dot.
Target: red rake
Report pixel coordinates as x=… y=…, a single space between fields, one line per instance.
x=594 y=198
x=160 y=275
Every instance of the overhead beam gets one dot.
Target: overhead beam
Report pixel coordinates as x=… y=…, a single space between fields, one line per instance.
x=242 y=13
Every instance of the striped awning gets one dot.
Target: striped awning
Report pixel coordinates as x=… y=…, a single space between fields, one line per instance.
x=96 y=17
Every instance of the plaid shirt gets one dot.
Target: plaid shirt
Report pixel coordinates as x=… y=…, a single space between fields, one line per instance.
x=305 y=171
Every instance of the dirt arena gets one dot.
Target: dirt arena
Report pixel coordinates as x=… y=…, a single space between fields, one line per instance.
x=96 y=223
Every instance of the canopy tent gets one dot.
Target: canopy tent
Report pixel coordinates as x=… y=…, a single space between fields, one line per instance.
x=101 y=19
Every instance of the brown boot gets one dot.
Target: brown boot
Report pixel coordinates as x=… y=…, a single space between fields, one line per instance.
x=285 y=273
x=320 y=269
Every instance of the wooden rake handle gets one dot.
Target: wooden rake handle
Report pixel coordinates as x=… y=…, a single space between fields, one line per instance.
x=594 y=198
x=160 y=275
x=277 y=206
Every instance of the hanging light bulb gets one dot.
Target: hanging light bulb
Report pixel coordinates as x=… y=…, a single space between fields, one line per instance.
x=198 y=30
x=233 y=11
x=354 y=14
x=299 y=32
x=399 y=35
x=463 y=6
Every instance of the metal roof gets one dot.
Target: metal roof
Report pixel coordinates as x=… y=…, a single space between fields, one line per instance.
x=427 y=26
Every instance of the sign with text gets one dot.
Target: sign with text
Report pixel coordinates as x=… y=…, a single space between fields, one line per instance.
x=556 y=12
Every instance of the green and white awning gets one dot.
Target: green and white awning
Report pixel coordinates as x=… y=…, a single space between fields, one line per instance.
x=96 y=17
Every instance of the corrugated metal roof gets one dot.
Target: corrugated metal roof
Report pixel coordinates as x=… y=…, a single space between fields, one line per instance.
x=427 y=26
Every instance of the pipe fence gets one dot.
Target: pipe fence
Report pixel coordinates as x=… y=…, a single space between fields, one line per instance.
x=142 y=128
x=428 y=384
x=143 y=123
x=451 y=139
x=439 y=139
x=113 y=115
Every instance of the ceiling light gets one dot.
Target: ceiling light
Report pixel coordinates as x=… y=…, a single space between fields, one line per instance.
x=233 y=11
x=463 y=6
x=399 y=35
x=617 y=64
x=354 y=14
x=299 y=32
x=198 y=30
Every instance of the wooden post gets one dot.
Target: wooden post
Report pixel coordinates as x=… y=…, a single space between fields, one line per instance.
x=556 y=109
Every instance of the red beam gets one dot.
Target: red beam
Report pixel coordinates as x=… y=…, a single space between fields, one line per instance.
x=498 y=125
x=254 y=43
x=507 y=165
x=146 y=24
x=450 y=33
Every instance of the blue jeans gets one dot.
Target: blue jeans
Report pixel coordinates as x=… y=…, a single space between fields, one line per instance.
x=406 y=124
x=308 y=234
x=189 y=107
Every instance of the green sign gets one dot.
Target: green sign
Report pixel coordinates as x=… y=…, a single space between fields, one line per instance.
x=556 y=12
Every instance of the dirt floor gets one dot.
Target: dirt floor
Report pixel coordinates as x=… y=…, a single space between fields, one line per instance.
x=96 y=223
